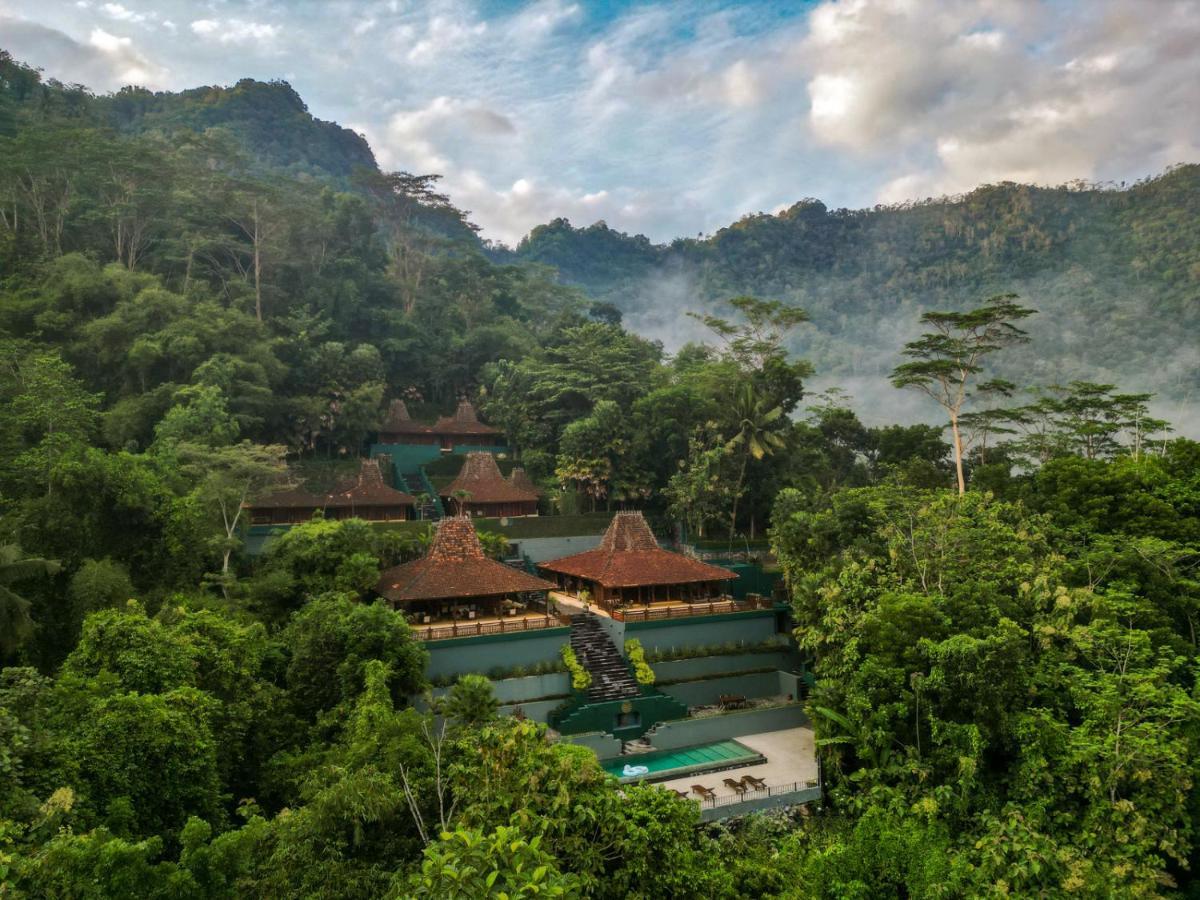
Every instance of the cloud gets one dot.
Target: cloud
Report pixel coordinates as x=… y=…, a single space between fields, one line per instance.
x=121 y=13
x=105 y=61
x=974 y=92
x=236 y=31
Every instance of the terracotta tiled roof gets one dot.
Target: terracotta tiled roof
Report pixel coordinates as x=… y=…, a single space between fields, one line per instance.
x=519 y=478
x=481 y=478
x=454 y=567
x=398 y=421
x=629 y=556
x=367 y=489
x=464 y=421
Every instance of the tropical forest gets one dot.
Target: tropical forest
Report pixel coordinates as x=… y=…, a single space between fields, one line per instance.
x=943 y=453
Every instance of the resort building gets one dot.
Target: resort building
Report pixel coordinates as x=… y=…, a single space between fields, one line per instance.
x=398 y=427
x=629 y=568
x=480 y=490
x=519 y=478
x=456 y=583
x=367 y=497
x=463 y=429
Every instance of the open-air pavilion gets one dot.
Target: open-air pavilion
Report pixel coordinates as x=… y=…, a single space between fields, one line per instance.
x=630 y=569
x=480 y=490
x=368 y=497
x=456 y=590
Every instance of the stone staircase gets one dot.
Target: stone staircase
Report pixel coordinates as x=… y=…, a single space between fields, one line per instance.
x=418 y=482
x=611 y=678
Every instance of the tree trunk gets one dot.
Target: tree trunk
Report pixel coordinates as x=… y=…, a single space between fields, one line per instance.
x=958 y=454
x=257 y=267
x=737 y=494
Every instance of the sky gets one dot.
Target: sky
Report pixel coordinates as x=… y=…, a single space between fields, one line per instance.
x=675 y=119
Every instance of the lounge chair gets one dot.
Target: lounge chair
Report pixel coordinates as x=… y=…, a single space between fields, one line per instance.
x=681 y=794
x=757 y=783
x=736 y=786
x=703 y=792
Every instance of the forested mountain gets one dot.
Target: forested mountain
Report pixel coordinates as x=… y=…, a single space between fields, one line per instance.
x=1114 y=272
x=207 y=295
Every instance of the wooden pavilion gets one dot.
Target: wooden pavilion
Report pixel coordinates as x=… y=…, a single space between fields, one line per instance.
x=487 y=492
x=519 y=478
x=456 y=581
x=630 y=568
x=398 y=427
x=367 y=497
x=464 y=429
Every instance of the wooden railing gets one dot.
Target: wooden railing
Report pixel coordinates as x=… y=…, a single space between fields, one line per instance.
x=684 y=610
x=475 y=629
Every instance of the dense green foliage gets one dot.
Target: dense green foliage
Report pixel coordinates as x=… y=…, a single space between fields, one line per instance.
x=202 y=292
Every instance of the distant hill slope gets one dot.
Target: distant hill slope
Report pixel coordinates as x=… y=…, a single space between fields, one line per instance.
x=268 y=118
x=1115 y=273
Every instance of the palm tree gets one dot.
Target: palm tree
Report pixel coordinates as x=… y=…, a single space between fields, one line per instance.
x=755 y=436
x=16 y=625
x=460 y=499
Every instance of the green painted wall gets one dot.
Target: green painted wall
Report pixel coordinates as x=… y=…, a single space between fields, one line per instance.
x=702 y=666
x=494 y=651
x=708 y=691
x=605 y=746
x=653 y=707
x=748 y=627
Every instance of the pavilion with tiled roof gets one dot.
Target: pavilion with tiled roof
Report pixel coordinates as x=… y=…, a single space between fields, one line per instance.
x=519 y=478
x=456 y=579
x=464 y=428
x=486 y=491
x=629 y=567
x=368 y=497
x=398 y=427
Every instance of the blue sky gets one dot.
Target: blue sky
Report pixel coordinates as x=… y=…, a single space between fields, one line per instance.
x=677 y=118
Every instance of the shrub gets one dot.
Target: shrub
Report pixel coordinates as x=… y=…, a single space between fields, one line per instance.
x=581 y=678
x=641 y=669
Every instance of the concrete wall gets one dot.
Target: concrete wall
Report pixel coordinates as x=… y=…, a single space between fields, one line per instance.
x=538 y=711
x=702 y=666
x=709 y=691
x=519 y=690
x=690 y=732
x=750 y=627
x=605 y=746
x=494 y=651
x=542 y=549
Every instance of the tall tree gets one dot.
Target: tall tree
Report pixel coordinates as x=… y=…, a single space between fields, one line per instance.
x=945 y=360
x=16 y=625
x=757 y=436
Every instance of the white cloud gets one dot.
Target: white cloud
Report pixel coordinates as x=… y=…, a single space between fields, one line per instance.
x=122 y=13
x=235 y=31
x=989 y=91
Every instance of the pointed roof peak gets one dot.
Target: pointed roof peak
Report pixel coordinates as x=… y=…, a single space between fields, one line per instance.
x=455 y=539
x=464 y=421
x=466 y=412
x=370 y=488
x=519 y=478
x=628 y=531
x=480 y=477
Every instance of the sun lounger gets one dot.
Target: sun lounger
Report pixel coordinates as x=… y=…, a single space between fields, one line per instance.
x=703 y=792
x=736 y=786
x=757 y=783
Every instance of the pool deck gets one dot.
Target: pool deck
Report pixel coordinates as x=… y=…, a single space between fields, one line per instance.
x=791 y=757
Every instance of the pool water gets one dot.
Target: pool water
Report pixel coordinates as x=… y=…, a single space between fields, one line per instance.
x=664 y=764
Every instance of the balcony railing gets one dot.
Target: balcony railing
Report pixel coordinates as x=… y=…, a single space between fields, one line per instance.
x=684 y=610
x=773 y=790
x=475 y=629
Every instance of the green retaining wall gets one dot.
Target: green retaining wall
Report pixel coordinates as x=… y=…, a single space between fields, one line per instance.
x=457 y=656
x=654 y=708
x=537 y=711
x=605 y=746
x=407 y=457
x=692 y=732
x=528 y=687
x=703 y=666
x=751 y=627
x=751 y=578
x=708 y=691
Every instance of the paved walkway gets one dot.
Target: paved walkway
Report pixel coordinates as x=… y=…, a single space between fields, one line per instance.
x=791 y=756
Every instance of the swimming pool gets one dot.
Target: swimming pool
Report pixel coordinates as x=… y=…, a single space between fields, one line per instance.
x=665 y=764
